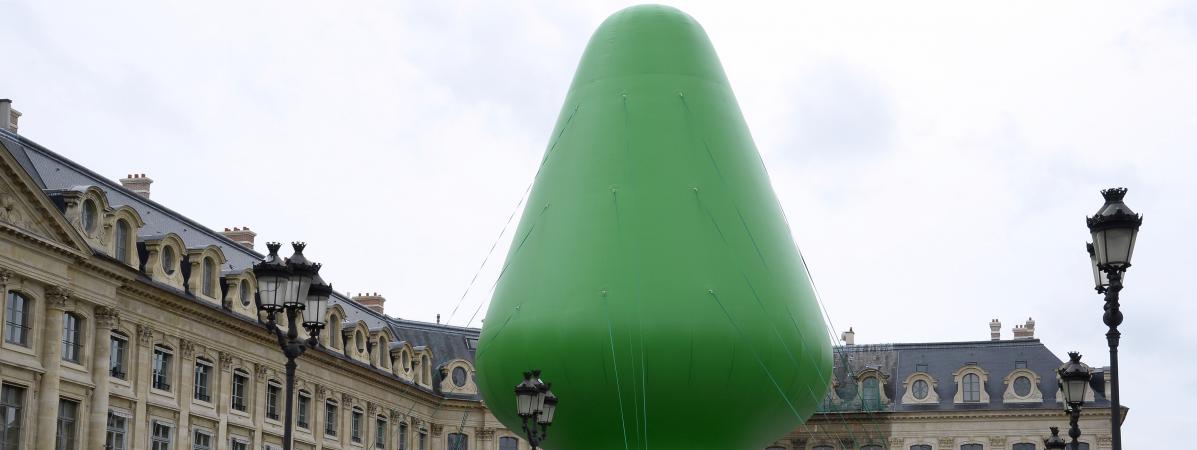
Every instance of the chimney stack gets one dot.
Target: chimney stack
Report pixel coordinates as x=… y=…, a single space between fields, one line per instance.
x=241 y=236
x=995 y=330
x=849 y=337
x=1025 y=331
x=373 y=301
x=8 y=116
x=138 y=183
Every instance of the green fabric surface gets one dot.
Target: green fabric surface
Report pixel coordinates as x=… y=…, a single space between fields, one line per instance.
x=653 y=277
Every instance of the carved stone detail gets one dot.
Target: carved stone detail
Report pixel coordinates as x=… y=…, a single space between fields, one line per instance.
x=946 y=442
x=484 y=434
x=5 y=276
x=997 y=441
x=187 y=349
x=437 y=429
x=321 y=392
x=396 y=416
x=415 y=421
x=226 y=361
x=371 y=408
x=896 y=442
x=145 y=334
x=346 y=399
x=107 y=318
x=57 y=297
x=9 y=212
x=259 y=372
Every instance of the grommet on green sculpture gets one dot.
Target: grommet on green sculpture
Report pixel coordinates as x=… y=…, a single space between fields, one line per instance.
x=673 y=312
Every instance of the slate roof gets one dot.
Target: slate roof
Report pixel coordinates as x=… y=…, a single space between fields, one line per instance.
x=55 y=173
x=941 y=360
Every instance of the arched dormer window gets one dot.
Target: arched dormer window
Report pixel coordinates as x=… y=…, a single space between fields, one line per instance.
x=121 y=241
x=871 y=385
x=209 y=277
x=970 y=384
x=89 y=216
x=203 y=279
x=459 y=377
x=920 y=388
x=426 y=377
x=359 y=341
x=170 y=260
x=1022 y=386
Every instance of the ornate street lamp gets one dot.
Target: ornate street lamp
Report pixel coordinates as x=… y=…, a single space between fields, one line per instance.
x=535 y=403
x=293 y=287
x=1074 y=383
x=1055 y=442
x=1114 y=228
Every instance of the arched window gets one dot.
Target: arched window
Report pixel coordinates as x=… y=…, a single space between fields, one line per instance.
x=457 y=441
x=427 y=375
x=871 y=447
x=1083 y=446
x=406 y=358
x=209 y=280
x=972 y=388
x=920 y=447
x=824 y=447
x=245 y=292
x=17 y=319
x=72 y=337
x=122 y=241
x=360 y=339
x=459 y=376
x=169 y=259
x=90 y=216
x=509 y=443
x=871 y=397
x=972 y=446
x=1022 y=446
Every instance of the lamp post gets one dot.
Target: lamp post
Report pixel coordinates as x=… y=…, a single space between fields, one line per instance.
x=1055 y=442
x=535 y=403
x=1114 y=228
x=1074 y=382
x=294 y=287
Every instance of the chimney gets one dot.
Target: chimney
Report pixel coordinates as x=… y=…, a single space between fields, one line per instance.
x=8 y=116
x=370 y=300
x=849 y=337
x=138 y=183
x=241 y=236
x=995 y=330
x=1025 y=331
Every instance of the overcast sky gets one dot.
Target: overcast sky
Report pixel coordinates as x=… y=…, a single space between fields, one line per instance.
x=936 y=161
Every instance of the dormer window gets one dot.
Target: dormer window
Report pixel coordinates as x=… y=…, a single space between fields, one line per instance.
x=169 y=260
x=972 y=388
x=209 y=280
x=919 y=389
x=245 y=293
x=360 y=339
x=90 y=216
x=122 y=241
x=970 y=384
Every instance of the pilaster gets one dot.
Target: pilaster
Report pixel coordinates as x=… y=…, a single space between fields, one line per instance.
x=144 y=352
x=106 y=319
x=47 y=412
x=223 y=395
x=186 y=383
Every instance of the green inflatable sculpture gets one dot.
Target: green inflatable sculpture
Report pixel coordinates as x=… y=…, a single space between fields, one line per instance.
x=653 y=278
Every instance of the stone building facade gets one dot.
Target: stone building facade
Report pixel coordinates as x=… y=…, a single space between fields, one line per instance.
x=130 y=326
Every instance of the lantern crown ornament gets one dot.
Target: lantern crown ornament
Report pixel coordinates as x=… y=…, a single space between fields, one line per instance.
x=274 y=280
x=1114 y=228
x=1055 y=441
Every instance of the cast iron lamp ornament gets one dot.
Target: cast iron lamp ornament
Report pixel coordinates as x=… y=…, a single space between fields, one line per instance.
x=1055 y=442
x=535 y=403
x=293 y=287
x=1074 y=383
x=1114 y=228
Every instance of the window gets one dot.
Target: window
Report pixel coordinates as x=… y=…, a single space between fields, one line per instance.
x=459 y=376
x=71 y=337
x=920 y=389
x=1022 y=386
x=245 y=293
x=422 y=441
x=972 y=446
x=457 y=441
x=201 y=440
x=16 y=319
x=209 y=280
x=239 y=445
x=160 y=437
x=301 y=415
x=380 y=433
x=117 y=431
x=402 y=436
x=330 y=418
x=871 y=447
x=118 y=355
x=920 y=367
x=273 y=392
x=122 y=241
x=355 y=427
x=1020 y=365
x=1022 y=446
x=89 y=216
x=972 y=390
x=360 y=339
x=775 y=448
x=161 y=368
x=920 y=447
x=406 y=358
x=1083 y=446
x=203 y=380
x=824 y=447
x=168 y=259
x=240 y=383
x=12 y=407
x=68 y=411
x=871 y=397
x=509 y=443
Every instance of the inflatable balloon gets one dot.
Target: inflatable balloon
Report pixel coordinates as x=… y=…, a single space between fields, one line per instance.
x=653 y=278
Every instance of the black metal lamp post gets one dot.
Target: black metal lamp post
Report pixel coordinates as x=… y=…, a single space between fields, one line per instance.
x=293 y=287
x=1055 y=442
x=1114 y=228
x=536 y=404
x=1074 y=382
